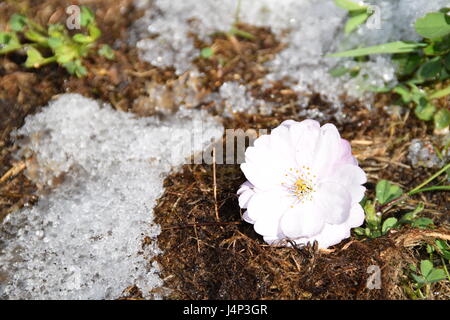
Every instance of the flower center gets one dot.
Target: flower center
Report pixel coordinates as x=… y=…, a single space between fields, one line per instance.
x=300 y=184
x=301 y=187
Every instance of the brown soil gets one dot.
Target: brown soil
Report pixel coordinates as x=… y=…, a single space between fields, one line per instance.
x=206 y=258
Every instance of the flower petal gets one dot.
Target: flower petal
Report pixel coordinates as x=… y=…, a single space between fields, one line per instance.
x=328 y=149
x=302 y=220
x=356 y=217
x=269 y=159
x=269 y=225
x=245 y=192
x=333 y=201
x=304 y=136
x=263 y=179
x=347 y=156
x=351 y=178
x=332 y=234
x=246 y=218
x=268 y=206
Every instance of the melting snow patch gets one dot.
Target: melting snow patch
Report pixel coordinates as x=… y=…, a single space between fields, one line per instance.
x=315 y=29
x=84 y=239
x=423 y=153
x=236 y=98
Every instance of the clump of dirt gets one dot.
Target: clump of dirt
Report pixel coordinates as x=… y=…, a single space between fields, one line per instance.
x=241 y=56
x=237 y=57
x=209 y=258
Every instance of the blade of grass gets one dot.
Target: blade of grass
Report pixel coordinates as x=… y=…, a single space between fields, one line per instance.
x=388 y=48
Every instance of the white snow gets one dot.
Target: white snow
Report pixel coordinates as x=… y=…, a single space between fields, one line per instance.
x=83 y=240
x=234 y=97
x=316 y=29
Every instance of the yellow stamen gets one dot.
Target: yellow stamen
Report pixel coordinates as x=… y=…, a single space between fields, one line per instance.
x=301 y=187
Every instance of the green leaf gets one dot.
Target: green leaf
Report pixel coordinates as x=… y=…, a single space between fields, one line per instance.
x=34 y=58
x=387 y=191
x=207 y=53
x=404 y=93
x=436 y=275
x=388 y=224
x=444 y=75
x=83 y=50
x=354 y=72
x=422 y=223
x=438 y=47
x=418 y=279
x=107 y=52
x=446 y=61
x=65 y=54
x=76 y=68
x=5 y=38
x=443 y=248
x=392 y=47
x=425 y=110
x=17 y=22
x=372 y=219
x=56 y=31
x=430 y=69
x=87 y=16
x=409 y=217
x=36 y=37
x=440 y=93
x=425 y=267
x=338 y=71
x=349 y=5
x=81 y=38
x=242 y=34
x=407 y=63
x=442 y=245
x=359 y=231
x=354 y=22
x=94 y=32
x=442 y=119
x=9 y=42
x=446 y=255
x=434 y=25
x=55 y=43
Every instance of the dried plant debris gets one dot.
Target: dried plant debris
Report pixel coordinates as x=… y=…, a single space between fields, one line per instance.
x=237 y=56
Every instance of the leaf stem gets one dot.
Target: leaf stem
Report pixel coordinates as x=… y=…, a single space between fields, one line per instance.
x=47 y=61
x=445 y=168
x=435 y=188
x=237 y=13
x=445 y=268
x=418 y=189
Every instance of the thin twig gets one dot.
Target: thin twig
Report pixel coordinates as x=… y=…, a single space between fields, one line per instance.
x=143 y=74
x=216 y=208
x=196 y=238
x=19 y=167
x=204 y=224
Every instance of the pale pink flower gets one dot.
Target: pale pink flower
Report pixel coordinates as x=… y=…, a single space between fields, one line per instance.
x=303 y=185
